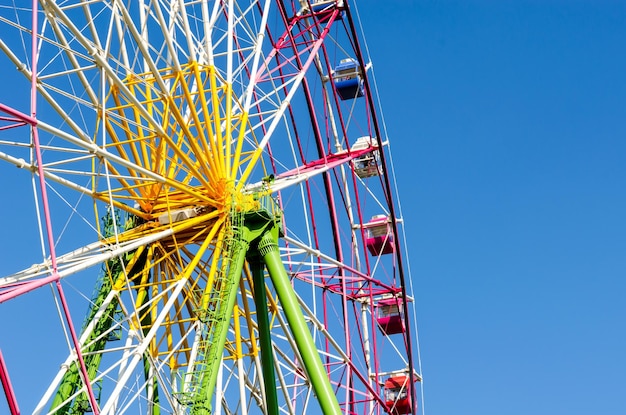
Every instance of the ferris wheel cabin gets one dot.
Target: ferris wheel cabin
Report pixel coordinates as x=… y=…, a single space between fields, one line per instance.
x=397 y=396
x=390 y=315
x=380 y=239
x=367 y=165
x=348 y=80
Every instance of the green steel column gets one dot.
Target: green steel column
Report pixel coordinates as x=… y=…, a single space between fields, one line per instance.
x=267 y=357
x=268 y=249
x=152 y=388
x=202 y=405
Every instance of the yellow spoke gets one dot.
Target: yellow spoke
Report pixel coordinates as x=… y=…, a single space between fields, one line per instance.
x=201 y=138
x=219 y=140
x=240 y=141
x=187 y=138
x=210 y=147
x=229 y=105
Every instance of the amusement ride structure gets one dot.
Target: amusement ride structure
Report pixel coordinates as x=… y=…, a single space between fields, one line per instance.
x=218 y=225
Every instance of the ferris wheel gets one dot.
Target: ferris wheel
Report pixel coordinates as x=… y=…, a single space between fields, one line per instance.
x=215 y=227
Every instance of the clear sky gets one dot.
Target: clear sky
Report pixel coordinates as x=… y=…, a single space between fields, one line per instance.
x=508 y=129
x=507 y=122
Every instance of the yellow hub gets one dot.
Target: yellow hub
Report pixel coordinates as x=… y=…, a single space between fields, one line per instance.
x=185 y=141
x=187 y=128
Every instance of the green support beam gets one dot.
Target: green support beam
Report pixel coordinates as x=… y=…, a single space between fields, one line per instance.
x=218 y=324
x=218 y=308
x=268 y=249
x=254 y=235
x=265 y=340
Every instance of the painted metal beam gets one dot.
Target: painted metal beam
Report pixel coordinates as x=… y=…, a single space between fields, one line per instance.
x=265 y=340
x=268 y=249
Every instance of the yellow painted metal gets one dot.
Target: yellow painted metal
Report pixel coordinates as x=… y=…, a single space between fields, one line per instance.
x=248 y=170
x=217 y=128
x=211 y=151
x=196 y=144
x=237 y=325
x=196 y=136
x=239 y=145
x=229 y=108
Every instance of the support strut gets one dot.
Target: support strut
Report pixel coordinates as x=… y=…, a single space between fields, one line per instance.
x=255 y=236
x=268 y=249
x=265 y=340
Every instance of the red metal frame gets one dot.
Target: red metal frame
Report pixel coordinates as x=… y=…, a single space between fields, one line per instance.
x=346 y=281
x=8 y=387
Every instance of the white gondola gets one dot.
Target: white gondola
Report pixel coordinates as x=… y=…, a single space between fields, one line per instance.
x=367 y=165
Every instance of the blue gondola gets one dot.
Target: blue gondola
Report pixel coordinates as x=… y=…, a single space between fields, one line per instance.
x=348 y=79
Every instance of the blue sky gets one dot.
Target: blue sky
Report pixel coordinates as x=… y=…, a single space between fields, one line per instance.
x=508 y=128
